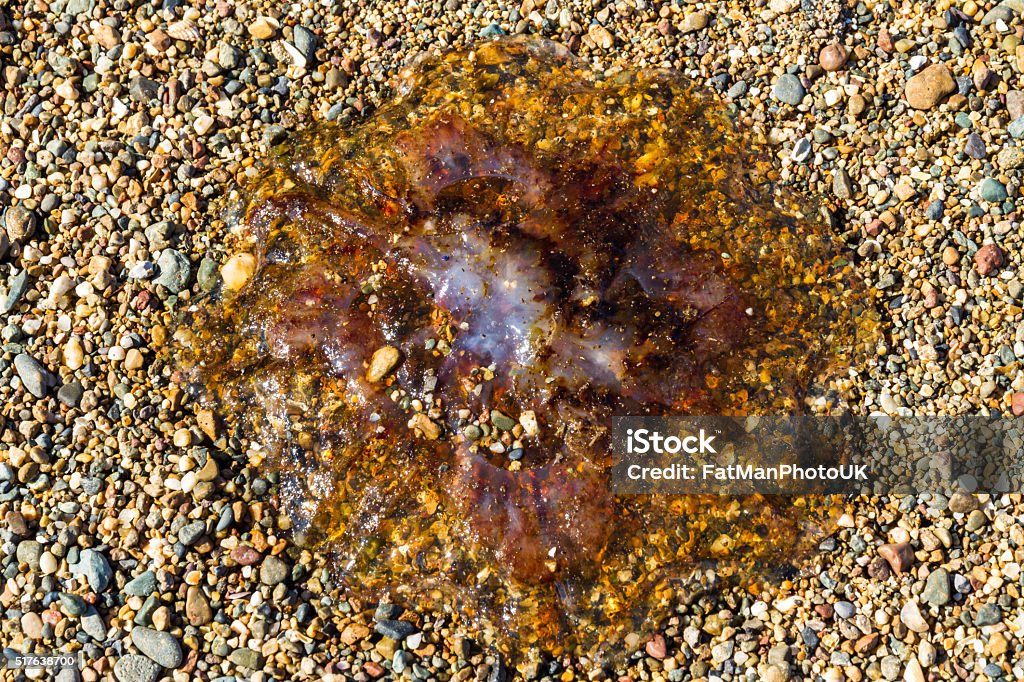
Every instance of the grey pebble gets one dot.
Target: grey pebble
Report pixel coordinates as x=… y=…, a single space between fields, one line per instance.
x=273 y=571
x=36 y=378
x=988 y=614
x=936 y=588
x=305 y=42
x=395 y=629
x=789 y=89
x=135 y=668
x=18 y=286
x=192 y=532
x=94 y=566
x=159 y=646
x=175 y=270
x=142 y=585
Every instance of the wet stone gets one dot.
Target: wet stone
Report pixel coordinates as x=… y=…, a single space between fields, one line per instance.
x=486 y=324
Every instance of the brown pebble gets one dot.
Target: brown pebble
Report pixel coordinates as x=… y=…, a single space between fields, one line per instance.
x=656 y=647
x=245 y=555
x=950 y=256
x=885 y=41
x=988 y=259
x=898 y=555
x=383 y=360
x=1017 y=404
x=867 y=643
x=927 y=88
x=833 y=57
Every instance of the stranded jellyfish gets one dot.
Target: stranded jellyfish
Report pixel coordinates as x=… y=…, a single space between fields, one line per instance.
x=450 y=301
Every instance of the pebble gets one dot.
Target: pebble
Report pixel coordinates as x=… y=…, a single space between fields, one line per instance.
x=789 y=89
x=382 y=362
x=992 y=190
x=33 y=375
x=988 y=614
x=134 y=668
x=161 y=647
x=833 y=57
x=936 y=588
x=926 y=89
x=273 y=571
x=898 y=555
x=988 y=259
x=175 y=270
x=95 y=568
x=910 y=615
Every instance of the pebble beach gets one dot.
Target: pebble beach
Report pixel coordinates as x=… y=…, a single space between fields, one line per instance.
x=140 y=533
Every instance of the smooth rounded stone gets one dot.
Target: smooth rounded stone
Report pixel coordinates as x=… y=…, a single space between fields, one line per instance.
x=135 y=668
x=197 y=607
x=789 y=89
x=801 y=150
x=36 y=378
x=93 y=625
x=73 y=354
x=48 y=563
x=911 y=616
x=273 y=571
x=20 y=223
x=927 y=88
x=161 y=647
x=29 y=552
x=208 y=275
x=992 y=190
x=246 y=658
x=844 y=609
x=833 y=57
x=175 y=270
x=976 y=520
x=936 y=588
x=32 y=625
x=988 y=614
x=238 y=270
x=842 y=185
x=95 y=568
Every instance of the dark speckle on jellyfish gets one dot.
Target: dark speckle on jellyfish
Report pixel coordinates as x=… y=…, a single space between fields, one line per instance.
x=453 y=298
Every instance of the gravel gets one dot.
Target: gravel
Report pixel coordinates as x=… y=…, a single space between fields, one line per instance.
x=119 y=141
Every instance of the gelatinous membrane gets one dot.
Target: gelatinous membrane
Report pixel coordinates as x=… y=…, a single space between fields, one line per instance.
x=454 y=297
